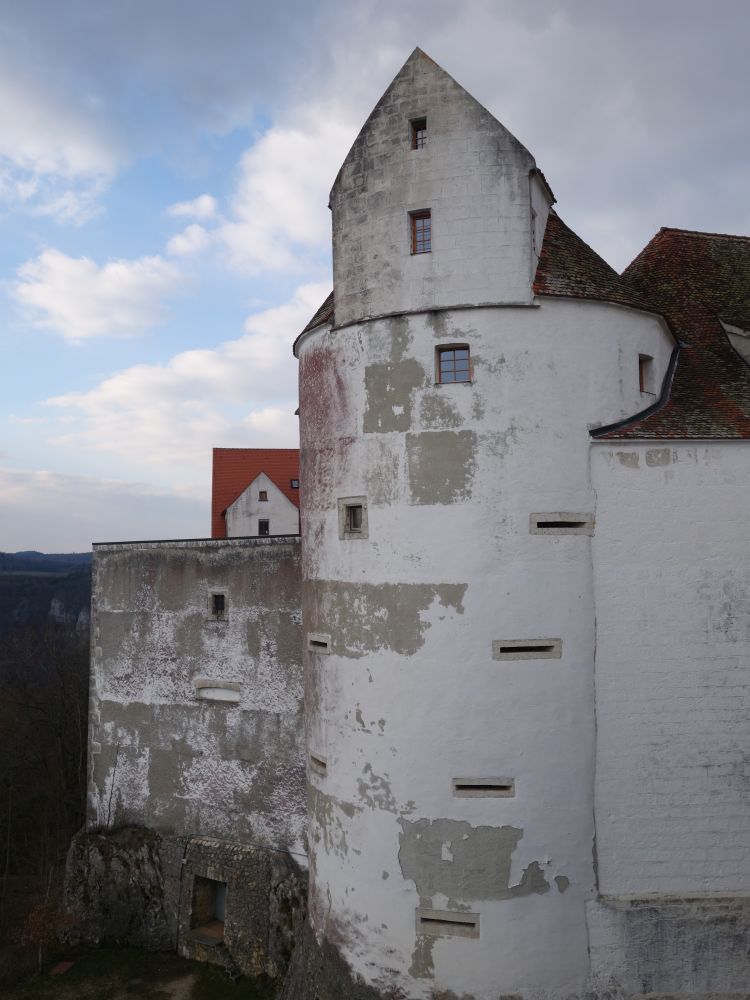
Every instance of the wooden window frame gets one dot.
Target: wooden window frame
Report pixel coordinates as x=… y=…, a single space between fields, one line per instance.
x=418 y=129
x=263 y=496
x=420 y=244
x=441 y=369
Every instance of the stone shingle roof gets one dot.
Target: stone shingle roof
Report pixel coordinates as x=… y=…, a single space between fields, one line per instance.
x=323 y=315
x=695 y=280
x=569 y=267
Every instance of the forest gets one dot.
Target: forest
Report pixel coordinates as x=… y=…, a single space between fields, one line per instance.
x=44 y=657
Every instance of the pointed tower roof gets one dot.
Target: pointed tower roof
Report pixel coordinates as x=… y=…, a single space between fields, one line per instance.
x=420 y=68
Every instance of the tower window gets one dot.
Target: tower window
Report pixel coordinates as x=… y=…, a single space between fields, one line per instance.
x=421 y=231
x=263 y=495
x=646 y=373
x=418 y=133
x=264 y=527
x=454 y=364
x=353 y=517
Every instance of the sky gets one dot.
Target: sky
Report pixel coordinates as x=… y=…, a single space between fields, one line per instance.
x=164 y=179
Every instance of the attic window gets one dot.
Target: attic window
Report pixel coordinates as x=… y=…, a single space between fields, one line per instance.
x=418 y=133
x=453 y=363
x=263 y=495
x=646 y=373
x=294 y=483
x=264 y=527
x=421 y=231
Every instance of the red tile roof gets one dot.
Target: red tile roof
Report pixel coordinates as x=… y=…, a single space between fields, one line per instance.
x=235 y=468
x=695 y=280
x=569 y=267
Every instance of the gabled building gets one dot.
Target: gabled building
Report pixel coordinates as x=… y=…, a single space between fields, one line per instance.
x=255 y=491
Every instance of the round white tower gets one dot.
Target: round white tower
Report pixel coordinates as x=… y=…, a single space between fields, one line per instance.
x=447 y=598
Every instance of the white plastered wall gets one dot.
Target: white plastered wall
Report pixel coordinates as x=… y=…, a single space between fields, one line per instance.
x=672 y=586
x=243 y=515
x=395 y=727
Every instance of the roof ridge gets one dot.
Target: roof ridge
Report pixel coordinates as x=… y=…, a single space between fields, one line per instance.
x=700 y=232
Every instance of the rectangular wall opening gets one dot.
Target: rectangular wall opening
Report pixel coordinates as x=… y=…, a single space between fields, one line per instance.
x=208 y=910
x=317 y=643
x=561 y=523
x=318 y=764
x=526 y=649
x=503 y=788
x=447 y=923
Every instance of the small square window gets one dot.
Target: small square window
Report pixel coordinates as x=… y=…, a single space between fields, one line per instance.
x=421 y=231
x=454 y=364
x=264 y=527
x=353 y=517
x=418 y=133
x=263 y=494
x=295 y=484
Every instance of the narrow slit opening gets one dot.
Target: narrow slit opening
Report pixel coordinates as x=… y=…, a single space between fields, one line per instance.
x=463 y=787
x=318 y=764
x=560 y=524
x=445 y=921
x=540 y=648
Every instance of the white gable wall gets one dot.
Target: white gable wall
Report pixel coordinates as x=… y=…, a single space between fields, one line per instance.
x=243 y=515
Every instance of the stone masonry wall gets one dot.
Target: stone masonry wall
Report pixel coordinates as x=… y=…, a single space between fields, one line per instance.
x=196 y=718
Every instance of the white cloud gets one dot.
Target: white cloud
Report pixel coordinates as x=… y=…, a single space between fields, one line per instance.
x=52 y=512
x=203 y=207
x=192 y=239
x=242 y=393
x=279 y=216
x=78 y=299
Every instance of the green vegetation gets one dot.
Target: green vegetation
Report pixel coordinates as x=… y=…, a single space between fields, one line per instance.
x=125 y=973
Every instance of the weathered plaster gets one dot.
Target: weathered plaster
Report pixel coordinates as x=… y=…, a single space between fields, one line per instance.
x=168 y=759
x=363 y=617
x=479 y=867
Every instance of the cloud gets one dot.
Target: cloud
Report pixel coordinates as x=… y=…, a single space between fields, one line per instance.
x=192 y=239
x=279 y=219
x=54 y=512
x=203 y=207
x=78 y=299
x=169 y=417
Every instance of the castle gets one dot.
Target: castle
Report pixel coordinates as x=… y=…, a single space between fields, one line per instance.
x=525 y=612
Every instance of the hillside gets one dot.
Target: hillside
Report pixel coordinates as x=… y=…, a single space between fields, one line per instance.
x=36 y=587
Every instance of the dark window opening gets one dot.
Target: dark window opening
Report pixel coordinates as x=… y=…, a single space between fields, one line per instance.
x=645 y=372
x=354 y=517
x=208 y=910
x=419 y=133
x=263 y=495
x=295 y=484
x=218 y=605
x=264 y=527
x=421 y=232
x=454 y=364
